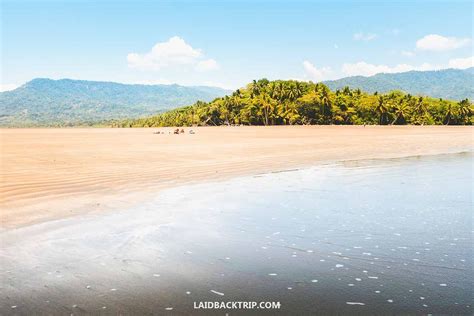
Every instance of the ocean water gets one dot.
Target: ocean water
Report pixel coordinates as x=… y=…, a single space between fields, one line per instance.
x=392 y=236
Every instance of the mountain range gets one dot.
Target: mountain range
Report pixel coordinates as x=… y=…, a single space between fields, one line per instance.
x=452 y=84
x=66 y=102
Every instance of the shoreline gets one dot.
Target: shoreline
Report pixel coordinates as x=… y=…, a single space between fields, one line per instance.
x=76 y=189
x=116 y=201
x=295 y=236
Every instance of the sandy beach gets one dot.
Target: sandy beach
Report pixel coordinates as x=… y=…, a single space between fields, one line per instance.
x=54 y=173
x=324 y=220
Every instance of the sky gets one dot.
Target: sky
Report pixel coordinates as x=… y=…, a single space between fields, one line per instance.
x=229 y=43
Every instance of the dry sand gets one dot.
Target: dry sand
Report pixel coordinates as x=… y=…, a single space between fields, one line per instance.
x=54 y=173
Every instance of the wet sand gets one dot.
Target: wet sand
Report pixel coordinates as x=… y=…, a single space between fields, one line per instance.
x=49 y=174
x=370 y=237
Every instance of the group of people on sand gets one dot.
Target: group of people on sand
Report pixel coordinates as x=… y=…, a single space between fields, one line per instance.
x=176 y=131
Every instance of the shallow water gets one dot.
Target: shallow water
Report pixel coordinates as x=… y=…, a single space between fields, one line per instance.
x=365 y=237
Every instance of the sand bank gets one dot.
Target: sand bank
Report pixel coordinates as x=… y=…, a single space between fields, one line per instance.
x=54 y=173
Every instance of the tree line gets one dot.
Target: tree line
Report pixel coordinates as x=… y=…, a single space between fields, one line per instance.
x=290 y=102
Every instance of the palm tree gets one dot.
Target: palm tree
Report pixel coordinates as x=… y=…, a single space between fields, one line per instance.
x=420 y=109
x=292 y=114
x=383 y=111
x=267 y=107
x=298 y=89
x=276 y=92
x=465 y=111
x=344 y=110
x=326 y=106
x=228 y=104
x=271 y=90
x=255 y=89
x=316 y=87
x=400 y=113
x=280 y=92
x=236 y=93
x=287 y=108
x=347 y=91
x=193 y=112
x=449 y=116
x=249 y=113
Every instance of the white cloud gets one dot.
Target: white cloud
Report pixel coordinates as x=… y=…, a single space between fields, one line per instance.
x=365 y=69
x=8 y=87
x=206 y=65
x=364 y=36
x=174 y=52
x=407 y=53
x=461 y=63
x=435 y=42
x=317 y=74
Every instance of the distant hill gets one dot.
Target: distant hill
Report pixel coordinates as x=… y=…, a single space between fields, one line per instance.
x=47 y=102
x=453 y=84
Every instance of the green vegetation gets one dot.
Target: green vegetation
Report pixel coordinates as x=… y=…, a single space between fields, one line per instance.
x=46 y=102
x=451 y=84
x=292 y=102
x=58 y=103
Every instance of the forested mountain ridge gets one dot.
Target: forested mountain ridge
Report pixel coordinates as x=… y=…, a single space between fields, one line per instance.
x=453 y=84
x=66 y=102
x=292 y=102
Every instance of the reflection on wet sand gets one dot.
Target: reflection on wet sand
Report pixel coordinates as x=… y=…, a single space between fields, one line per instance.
x=391 y=236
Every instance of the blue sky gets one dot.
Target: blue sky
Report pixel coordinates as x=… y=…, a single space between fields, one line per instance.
x=229 y=43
